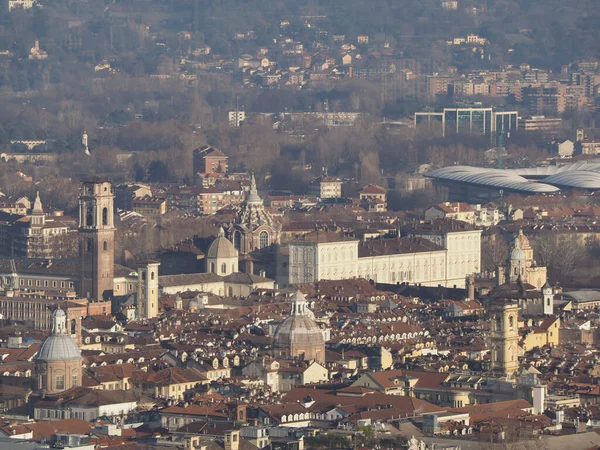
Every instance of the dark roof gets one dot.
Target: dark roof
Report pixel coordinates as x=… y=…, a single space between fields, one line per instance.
x=394 y=246
x=245 y=278
x=188 y=278
x=437 y=226
x=65 y=267
x=517 y=290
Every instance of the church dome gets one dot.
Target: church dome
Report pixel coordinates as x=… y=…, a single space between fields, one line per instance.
x=298 y=330
x=517 y=254
x=59 y=346
x=221 y=247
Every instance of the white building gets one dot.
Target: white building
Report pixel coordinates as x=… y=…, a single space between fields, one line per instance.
x=326 y=187
x=427 y=257
x=25 y=4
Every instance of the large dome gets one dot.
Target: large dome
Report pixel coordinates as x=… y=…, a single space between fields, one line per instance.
x=297 y=330
x=517 y=254
x=298 y=336
x=221 y=247
x=58 y=347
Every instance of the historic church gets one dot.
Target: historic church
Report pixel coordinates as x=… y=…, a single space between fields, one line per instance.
x=255 y=235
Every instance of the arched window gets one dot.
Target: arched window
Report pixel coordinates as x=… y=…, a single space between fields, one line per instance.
x=498 y=324
x=73 y=326
x=264 y=239
x=212 y=267
x=230 y=291
x=223 y=268
x=152 y=276
x=143 y=276
x=89 y=216
x=105 y=246
x=510 y=322
x=104 y=216
x=237 y=239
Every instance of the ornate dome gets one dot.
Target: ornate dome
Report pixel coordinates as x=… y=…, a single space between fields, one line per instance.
x=221 y=247
x=298 y=331
x=59 y=346
x=252 y=214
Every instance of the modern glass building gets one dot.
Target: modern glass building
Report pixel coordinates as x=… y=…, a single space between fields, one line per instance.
x=485 y=121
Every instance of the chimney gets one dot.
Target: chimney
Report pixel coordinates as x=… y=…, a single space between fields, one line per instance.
x=471 y=287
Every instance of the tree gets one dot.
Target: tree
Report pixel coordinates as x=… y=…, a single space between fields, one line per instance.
x=159 y=172
x=494 y=251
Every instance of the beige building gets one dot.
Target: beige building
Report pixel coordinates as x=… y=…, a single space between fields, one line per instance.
x=430 y=258
x=326 y=187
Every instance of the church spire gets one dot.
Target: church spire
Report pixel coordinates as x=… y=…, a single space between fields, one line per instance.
x=253 y=197
x=37 y=205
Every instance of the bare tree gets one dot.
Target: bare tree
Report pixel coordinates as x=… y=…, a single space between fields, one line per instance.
x=494 y=252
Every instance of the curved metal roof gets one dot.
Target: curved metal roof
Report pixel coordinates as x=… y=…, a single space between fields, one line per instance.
x=496 y=178
x=582 y=179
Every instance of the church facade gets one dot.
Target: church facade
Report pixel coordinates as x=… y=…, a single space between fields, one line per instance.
x=255 y=234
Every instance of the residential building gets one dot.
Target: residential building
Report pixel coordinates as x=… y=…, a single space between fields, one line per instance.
x=236 y=118
x=548 y=125
x=451 y=210
x=373 y=198
x=209 y=160
x=326 y=187
x=25 y=4
x=196 y=200
x=587 y=147
x=170 y=383
x=150 y=206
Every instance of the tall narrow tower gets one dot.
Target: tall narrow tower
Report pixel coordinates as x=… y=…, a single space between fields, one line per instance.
x=97 y=239
x=505 y=336
x=147 y=289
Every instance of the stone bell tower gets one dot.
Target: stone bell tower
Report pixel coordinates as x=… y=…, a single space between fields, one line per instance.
x=97 y=240
x=505 y=335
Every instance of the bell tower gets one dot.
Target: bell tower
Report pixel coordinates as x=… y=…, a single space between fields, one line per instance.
x=505 y=336
x=147 y=289
x=97 y=239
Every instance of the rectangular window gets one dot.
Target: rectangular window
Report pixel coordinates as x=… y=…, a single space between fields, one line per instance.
x=75 y=381
x=60 y=382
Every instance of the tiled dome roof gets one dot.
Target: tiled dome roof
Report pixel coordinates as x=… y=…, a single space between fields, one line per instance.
x=298 y=328
x=58 y=347
x=221 y=247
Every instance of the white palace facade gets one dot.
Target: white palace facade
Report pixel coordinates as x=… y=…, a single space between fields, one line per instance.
x=424 y=256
